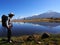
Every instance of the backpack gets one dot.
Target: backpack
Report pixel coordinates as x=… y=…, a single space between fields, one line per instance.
x=4 y=19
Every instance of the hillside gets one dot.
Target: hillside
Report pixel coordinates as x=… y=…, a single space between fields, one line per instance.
x=46 y=15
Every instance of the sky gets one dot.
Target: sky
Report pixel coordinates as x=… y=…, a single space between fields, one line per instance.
x=26 y=8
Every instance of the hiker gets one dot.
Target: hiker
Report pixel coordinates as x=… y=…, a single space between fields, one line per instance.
x=6 y=23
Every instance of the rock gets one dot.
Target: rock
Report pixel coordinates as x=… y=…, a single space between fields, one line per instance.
x=38 y=42
x=45 y=35
x=30 y=38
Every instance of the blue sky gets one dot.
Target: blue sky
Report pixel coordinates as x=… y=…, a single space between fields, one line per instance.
x=25 y=8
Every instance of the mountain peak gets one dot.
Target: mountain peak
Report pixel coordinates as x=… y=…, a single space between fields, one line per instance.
x=50 y=11
x=48 y=14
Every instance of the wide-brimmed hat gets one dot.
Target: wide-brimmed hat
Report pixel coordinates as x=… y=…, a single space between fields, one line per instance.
x=11 y=14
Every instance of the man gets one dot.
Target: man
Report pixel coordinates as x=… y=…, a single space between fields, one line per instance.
x=6 y=23
x=9 y=26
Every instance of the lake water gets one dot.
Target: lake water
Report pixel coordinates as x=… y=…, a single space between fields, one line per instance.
x=20 y=28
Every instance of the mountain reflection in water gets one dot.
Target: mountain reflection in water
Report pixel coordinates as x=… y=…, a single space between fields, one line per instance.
x=21 y=28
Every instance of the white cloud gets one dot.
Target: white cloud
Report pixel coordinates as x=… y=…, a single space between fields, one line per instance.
x=21 y=17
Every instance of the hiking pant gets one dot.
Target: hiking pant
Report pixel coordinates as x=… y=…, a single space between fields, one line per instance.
x=9 y=34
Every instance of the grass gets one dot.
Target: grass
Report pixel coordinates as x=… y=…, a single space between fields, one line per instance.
x=34 y=40
x=38 y=20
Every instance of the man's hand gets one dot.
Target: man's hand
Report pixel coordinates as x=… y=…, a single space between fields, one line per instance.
x=9 y=26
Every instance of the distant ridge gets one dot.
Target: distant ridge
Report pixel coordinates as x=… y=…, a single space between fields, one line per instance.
x=49 y=14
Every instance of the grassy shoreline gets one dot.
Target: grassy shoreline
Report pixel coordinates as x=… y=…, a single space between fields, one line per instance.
x=36 y=40
x=37 y=20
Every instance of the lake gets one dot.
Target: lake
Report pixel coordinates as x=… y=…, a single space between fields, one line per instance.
x=21 y=28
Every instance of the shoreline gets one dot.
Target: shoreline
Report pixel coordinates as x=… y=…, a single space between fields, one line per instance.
x=37 y=20
x=36 y=40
